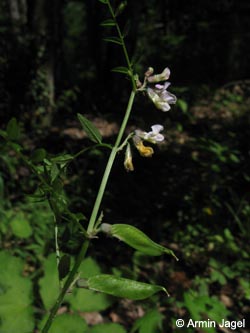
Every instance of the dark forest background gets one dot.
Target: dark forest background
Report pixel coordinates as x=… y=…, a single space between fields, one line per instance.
x=58 y=45
x=192 y=196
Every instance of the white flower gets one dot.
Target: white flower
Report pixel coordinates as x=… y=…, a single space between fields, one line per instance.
x=161 y=97
x=164 y=76
x=153 y=136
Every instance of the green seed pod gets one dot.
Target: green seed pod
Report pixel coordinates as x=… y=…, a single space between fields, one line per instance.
x=136 y=239
x=120 y=287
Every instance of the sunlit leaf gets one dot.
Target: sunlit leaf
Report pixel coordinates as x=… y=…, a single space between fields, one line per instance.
x=107 y=328
x=88 y=300
x=67 y=323
x=150 y=322
x=49 y=283
x=20 y=226
x=90 y=129
x=16 y=309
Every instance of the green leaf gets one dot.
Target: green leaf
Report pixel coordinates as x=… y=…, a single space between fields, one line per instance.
x=183 y=105
x=103 y=1
x=13 y=130
x=64 y=266
x=49 y=283
x=88 y=300
x=121 y=69
x=62 y=159
x=150 y=322
x=1 y=187
x=108 y=23
x=68 y=323
x=234 y=158
x=107 y=328
x=136 y=239
x=92 y=132
x=120 y=287
x=115 y=40
x=16 y=309
x=3 y=134
x=121 y=8
x=38 y=155
x=89 y=267
x=20 y=226
x=54 y=172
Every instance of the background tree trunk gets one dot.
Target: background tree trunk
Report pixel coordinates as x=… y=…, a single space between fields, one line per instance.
x=45 y=20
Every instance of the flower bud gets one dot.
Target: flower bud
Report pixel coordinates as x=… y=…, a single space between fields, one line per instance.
x=149 y=72
x=128 y=164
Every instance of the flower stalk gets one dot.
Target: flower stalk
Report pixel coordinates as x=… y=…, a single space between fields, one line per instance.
x=93 y=217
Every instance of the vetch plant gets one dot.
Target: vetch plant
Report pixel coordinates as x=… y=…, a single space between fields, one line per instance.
x=50 y=172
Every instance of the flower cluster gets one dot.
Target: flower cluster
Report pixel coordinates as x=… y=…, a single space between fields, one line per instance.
x=162 y=99
x=158 y=93
x=139 y=137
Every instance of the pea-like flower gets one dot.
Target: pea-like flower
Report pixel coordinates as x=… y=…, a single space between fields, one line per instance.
x=158 y=93
x=128 y=164
x=161 y=97
x=138 y=137
x=163 y=76
x=144 y=151
x=153 y=136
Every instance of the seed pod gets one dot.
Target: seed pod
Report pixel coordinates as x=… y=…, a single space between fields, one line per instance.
x=136 y=239
x=120 y=287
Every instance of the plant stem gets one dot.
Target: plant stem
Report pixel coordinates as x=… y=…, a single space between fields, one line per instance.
x=124 y=48
x=66 y=286
x=110 y=164
x=93 y=216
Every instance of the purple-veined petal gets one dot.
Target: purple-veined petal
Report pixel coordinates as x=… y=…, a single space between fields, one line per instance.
x=160 y=77
x=157 y=128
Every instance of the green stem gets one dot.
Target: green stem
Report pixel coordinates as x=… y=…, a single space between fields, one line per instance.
x=109 y=165
x=57 y=221
x=93 y=216
x=66 y=286
x=89 y=148
x=124 y=48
